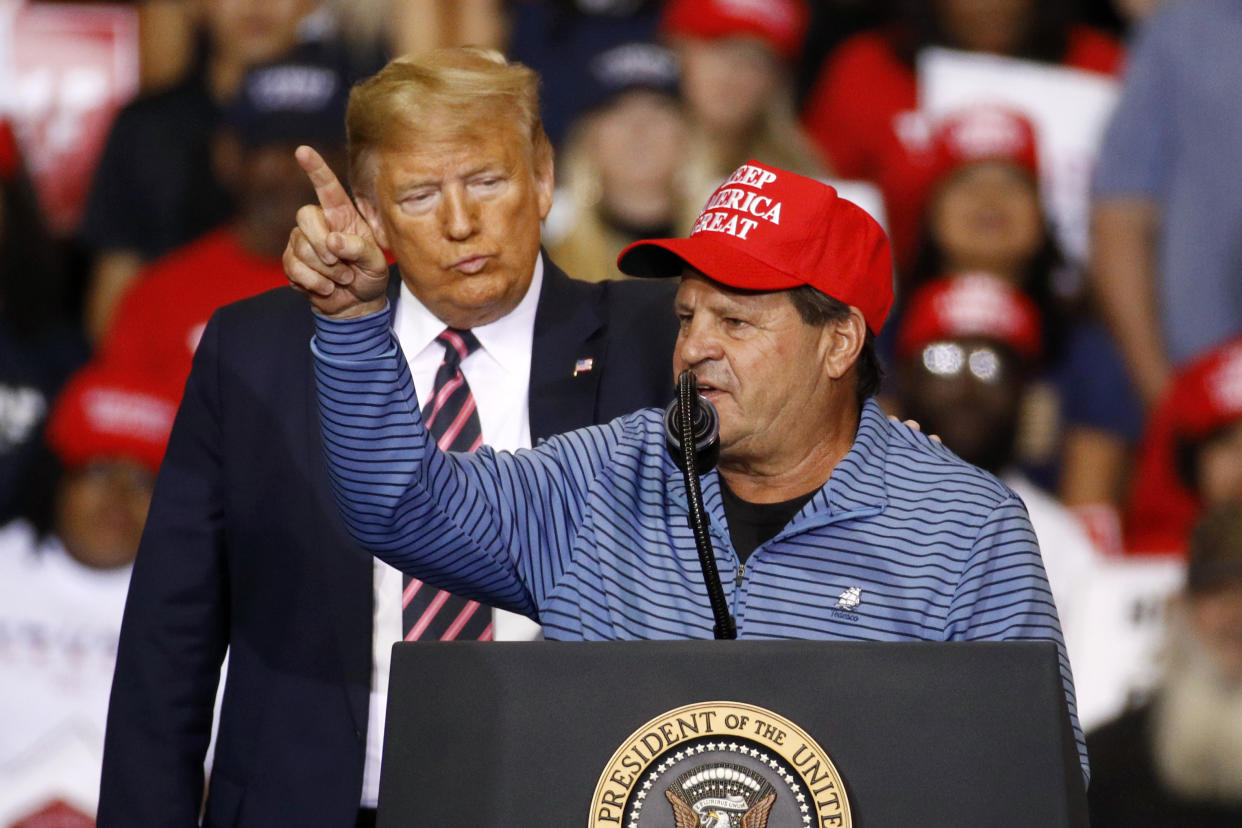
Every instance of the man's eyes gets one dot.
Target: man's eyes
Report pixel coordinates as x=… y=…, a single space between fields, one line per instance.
x=733 y=322
x=419 y=196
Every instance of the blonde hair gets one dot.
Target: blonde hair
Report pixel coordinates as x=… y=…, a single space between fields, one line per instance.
x=455 y=93
x=777 y=140
x=588 y=247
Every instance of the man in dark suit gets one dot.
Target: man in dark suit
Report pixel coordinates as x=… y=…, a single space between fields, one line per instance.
x=452 y=174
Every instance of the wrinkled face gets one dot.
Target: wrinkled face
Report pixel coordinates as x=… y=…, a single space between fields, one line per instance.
x=101 y=509
x=728 y=82
x=462 y=217
x=756 y=361
x=987 y=216
x=1218 y=467
x=638 y=140
x=997 y=26
x=968 y=391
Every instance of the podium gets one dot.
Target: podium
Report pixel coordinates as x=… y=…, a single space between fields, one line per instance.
x=927 y=734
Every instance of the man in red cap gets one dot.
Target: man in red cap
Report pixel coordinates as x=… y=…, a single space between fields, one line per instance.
x=826 y=516
x=1191 y=456
x=968 y=347
x=64 y=575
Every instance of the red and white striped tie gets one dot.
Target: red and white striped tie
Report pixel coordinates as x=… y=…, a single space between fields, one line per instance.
x=450 y=417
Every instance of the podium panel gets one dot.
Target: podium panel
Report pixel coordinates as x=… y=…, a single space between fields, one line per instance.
x=927 y=734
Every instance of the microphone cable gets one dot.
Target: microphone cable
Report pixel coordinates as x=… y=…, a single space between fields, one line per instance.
x=688 y=412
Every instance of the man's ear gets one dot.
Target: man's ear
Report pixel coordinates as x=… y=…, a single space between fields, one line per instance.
x=843 y=342
x=371 y=213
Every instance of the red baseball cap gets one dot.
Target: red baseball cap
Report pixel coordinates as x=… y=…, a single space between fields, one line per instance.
x=102 y=413
x=768 y=229
x=779 y=23
x=970 y=305
x=1209 y=391
x=984 y=133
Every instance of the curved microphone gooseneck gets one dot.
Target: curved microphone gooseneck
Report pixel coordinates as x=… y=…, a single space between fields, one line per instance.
x=691 y=423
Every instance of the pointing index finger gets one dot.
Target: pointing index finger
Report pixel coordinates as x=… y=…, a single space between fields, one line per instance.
x=328 y=189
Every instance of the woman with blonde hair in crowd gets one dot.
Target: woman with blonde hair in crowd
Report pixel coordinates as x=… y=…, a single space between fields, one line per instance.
x=622 y=163
x=736 y=64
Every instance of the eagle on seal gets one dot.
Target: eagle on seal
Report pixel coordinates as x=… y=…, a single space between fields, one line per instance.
x=685 y=817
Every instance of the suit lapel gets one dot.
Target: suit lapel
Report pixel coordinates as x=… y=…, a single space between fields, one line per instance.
x=567 y=354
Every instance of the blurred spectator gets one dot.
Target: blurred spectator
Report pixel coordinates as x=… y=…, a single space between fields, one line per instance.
x=560 y=38
x=166 y=32
x=1168 y=210
x=155 y=188
x=621 y=166
x=279 y=106
x=832 y=21
x=63 y=580
x=38 y=348
x=737 y=61
x=1191 y=456
x=983 y=213
x=967 y=347
x=863 y=112
x=1131 y=12
x=1178 y=759
x=416 y=26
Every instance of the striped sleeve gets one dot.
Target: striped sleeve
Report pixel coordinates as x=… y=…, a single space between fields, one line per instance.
x=492 y=526
x=1003 y=595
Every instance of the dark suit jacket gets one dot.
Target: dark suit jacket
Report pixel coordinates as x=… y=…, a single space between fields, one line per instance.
x=244 y=549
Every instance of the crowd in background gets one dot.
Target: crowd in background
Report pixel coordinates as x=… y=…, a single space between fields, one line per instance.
x=1101 y=381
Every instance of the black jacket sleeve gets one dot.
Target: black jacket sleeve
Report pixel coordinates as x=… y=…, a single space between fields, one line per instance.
x=173 y=634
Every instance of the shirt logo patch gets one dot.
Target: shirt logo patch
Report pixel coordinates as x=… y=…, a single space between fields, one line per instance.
x=849 y=599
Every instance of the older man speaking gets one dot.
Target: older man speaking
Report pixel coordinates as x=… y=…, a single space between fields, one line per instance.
x=830 y=521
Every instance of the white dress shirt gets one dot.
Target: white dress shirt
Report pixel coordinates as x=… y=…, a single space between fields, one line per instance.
x=498 y=374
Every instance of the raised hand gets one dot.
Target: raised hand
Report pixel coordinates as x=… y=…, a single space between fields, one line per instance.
x=914 y=426
x=332 y=256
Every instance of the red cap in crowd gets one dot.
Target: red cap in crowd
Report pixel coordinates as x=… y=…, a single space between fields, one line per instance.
x=1206 y=395
x=779 y=23
x=985 y=133
x=970 y=305
x=768 y=229
x=104 y=414
x=1209 y=392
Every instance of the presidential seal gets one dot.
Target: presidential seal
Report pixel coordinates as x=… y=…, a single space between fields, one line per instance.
x=719 y=765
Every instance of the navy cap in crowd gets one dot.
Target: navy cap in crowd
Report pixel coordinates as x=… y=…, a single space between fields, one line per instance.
x=290 y=101
x=631 y=66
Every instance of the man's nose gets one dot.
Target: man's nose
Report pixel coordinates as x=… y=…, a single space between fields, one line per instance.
x=458 y=214
x=696 y=343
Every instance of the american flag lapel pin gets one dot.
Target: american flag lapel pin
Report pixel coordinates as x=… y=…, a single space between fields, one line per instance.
x=582 y=366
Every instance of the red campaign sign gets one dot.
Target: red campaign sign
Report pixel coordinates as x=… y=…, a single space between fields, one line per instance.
x=74 y=67
x=56 y=814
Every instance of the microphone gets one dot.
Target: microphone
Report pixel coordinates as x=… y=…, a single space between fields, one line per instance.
x=692 y=434
x=704 y=425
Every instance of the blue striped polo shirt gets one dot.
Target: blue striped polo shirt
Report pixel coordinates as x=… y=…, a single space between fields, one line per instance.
x=587 y=532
